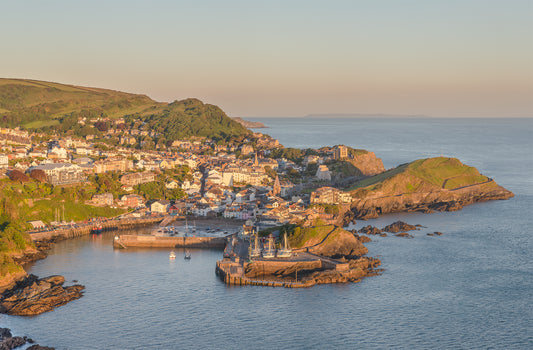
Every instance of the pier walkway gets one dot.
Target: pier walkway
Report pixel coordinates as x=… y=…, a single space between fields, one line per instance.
x=81 y=229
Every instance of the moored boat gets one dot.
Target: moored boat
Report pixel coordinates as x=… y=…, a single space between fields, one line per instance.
x=269 y=252
x=285 y=251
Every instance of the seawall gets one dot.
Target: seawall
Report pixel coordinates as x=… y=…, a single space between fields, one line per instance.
x=125 y=241
x=81 y=230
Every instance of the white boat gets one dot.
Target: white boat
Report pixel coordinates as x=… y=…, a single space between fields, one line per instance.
x=172 y=255
x=285 y=251
x=269 y=252
x=255 y=251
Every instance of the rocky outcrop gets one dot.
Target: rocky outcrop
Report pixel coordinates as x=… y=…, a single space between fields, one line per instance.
x=404 y=234
x=9 y=342
x=399 y=226
x=370 y=230
x=367 y=163
x=33 y=296
x=436 y=233
x=328 y=240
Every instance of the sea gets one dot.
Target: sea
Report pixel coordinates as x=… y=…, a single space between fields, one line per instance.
x=470 y=288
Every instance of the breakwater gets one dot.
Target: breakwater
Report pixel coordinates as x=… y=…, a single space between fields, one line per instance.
x=140 y=241
x=85 y=229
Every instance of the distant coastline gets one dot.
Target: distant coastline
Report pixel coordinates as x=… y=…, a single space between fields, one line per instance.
x=361 y=115
x=248 y=124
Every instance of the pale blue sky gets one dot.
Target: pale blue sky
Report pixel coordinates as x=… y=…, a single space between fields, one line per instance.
x=454 y=58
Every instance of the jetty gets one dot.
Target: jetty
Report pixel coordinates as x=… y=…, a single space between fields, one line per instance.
x=150 y=241
x=81 y=229
x=238 y=267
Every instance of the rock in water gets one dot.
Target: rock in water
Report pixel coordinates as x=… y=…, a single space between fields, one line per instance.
x=370 y=230
x=404 y=234
x=399 y=226
x=33 y=296
x=8 y=342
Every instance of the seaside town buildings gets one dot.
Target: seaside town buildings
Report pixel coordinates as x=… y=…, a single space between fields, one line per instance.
x=217 y=182
x=61 y=173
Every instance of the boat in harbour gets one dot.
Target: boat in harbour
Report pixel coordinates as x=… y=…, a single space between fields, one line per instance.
x=172 y=255
x=255 y=250
x=187 y=254
x=96 y=230
x=269 y=252
x=285 y=251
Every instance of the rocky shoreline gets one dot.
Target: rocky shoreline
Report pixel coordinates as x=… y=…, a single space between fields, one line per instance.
x=9 y=342
x=32 y=295
x=426 y=202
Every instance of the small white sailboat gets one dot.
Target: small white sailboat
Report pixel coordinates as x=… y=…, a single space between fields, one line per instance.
x=172 y=255
x=270 y=251
x=255 y=251
x=285 y=251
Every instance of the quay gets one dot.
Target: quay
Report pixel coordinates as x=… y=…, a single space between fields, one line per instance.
x=85 y=229
x=233 y=268
x=148 y=241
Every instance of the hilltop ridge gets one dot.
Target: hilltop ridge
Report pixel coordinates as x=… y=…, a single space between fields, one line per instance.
x=40 y=105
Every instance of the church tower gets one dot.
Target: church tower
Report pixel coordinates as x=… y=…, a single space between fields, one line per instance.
x=276 y=190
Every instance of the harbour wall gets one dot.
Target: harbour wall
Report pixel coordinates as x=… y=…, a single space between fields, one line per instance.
x=85 y=229
x=126 y=241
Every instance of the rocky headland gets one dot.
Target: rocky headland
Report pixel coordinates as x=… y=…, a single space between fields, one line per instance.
x=248 y=124
x=426 y=185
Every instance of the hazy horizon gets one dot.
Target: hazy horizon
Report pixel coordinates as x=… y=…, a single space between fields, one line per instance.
x=467 y=58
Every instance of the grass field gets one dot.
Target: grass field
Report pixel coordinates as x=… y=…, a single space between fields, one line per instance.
x=441 y=172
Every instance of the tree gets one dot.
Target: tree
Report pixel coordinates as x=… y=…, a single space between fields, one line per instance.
x=102 y=126
x=17 y=175
x=38 y=175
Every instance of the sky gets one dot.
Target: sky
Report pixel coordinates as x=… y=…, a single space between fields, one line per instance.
x=453 y=58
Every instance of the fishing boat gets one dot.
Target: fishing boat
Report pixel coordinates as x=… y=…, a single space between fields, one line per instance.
x=172 y=255
x=187 y=254
x=285 y=251
x=96 y=230
x=269 y=252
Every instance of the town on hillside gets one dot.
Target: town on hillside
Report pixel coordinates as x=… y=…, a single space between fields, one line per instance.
x=253 y=178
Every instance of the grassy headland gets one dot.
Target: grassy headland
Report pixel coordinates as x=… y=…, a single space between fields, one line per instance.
x=48 y=106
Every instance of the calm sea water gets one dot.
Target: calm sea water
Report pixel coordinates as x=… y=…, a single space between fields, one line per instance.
x=468 y=289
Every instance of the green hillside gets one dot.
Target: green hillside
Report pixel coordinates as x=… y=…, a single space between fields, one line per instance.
x=422 y=175
x=190 y=117
x=36 y=104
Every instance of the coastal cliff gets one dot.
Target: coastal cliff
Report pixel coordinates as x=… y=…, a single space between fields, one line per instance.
x=426 y=185
x=248 y=124
x=367 y=162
